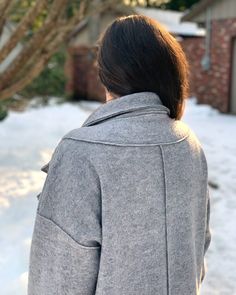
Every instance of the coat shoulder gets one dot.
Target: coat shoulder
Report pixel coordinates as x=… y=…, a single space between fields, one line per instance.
x=132 y=131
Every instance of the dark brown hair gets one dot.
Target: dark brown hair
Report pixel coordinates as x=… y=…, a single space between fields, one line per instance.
x=137 y=54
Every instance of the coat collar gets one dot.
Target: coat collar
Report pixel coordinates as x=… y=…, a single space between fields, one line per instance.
x=125 y=104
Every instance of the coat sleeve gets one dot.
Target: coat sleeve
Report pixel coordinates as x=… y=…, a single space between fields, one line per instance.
x=67 y=234
x=207 y=235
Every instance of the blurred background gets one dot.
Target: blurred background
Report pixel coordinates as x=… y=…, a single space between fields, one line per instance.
x=49 y=85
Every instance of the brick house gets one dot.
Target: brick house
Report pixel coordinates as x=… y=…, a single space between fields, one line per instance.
x=213 y=59
x=80 y=67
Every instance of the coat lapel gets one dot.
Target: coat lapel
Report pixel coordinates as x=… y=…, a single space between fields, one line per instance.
x=126 y=104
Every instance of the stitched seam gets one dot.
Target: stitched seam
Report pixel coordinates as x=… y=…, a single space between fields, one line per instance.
x=93 y=168
x=69 y=236
x=126 y=144
x=165 y=201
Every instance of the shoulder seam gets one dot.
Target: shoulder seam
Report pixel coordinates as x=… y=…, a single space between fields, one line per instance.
x=126 y=144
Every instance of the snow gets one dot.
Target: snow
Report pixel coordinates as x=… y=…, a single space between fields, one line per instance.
x=27 y=142
x=172 y=21
x=217 y=133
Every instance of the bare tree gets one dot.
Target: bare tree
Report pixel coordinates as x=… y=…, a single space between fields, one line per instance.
x=37 y=51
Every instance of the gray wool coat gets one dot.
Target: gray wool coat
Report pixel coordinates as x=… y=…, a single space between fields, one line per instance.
x=125 y=206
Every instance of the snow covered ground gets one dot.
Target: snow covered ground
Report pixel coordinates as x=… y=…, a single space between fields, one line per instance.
x=27 y=142
x=217 y=133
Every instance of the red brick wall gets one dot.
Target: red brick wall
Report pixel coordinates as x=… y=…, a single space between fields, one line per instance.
x=194 y=50
x=212 y=86
x=82 y=75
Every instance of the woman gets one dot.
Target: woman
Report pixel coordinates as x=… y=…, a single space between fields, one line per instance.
x=125 y=205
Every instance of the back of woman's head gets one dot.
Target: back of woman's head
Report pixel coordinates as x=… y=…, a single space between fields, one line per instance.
x=137 y=54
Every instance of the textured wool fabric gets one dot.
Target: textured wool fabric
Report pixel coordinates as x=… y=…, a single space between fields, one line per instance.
x=125 y=206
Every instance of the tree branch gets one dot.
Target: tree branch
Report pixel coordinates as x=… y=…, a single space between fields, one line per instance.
x=19 y=32
x=5 y=6
x=30 y=63
x=33 y=44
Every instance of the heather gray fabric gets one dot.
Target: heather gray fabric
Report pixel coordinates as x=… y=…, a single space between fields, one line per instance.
x=125 y=206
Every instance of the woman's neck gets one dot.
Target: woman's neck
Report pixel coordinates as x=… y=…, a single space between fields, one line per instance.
x=110 y=96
